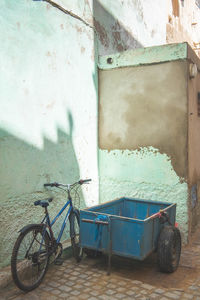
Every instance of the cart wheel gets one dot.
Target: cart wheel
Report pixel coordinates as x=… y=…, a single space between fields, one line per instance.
x=169 y=249
x=92 y=253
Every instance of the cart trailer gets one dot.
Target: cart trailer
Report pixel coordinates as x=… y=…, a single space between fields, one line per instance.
x=132 y=228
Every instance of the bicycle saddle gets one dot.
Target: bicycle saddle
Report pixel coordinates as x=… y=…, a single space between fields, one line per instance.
x=43 y=203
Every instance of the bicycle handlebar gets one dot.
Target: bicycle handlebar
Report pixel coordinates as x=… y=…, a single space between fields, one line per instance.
x=56 y=184
x=51 y=184
x=82 y=181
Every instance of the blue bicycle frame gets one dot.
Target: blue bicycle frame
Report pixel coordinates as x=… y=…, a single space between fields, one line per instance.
x=29 y=262
x=46 y=219
x=49 y=224
x=65 y=219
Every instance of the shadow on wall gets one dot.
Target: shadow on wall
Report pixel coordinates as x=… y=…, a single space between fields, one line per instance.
x=24 y=170
x=112 y=35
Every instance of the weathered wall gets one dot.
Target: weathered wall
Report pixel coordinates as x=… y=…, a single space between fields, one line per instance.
x=183 y=22
x=48 y=128
x=194 y=143
x=139 y=107
x=123 y=25
x=143 y=134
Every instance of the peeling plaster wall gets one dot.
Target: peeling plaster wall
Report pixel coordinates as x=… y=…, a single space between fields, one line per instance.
x=48 y=127
x=183 y=23
x=145 y=174
x=123 y=25
x=143 y=134
x=145 y=106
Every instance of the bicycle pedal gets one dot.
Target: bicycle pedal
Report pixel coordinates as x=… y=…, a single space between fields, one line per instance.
x=59 y=261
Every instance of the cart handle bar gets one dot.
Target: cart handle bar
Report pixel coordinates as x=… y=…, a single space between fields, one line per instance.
x=95 y=222
x=159 y=214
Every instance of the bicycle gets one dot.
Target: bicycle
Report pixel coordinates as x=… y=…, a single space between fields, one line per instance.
x=36 y=242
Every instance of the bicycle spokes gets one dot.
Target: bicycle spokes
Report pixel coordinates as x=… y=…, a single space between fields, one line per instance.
x=31 y=258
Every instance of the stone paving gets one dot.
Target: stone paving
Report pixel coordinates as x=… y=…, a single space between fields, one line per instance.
x=128 y=280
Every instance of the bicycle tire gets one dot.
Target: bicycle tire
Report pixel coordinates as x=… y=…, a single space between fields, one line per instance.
x=29 y=270
x=75 y=234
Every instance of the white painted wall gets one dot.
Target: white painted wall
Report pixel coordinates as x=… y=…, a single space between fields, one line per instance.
x=131 y=24
x=186 y=26
x=48 y=119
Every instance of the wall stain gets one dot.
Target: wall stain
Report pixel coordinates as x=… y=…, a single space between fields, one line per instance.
x=82 y=49
x=120 y=47
x=175 y=7
x=117 y=37
x=114 y=139
x=50 y=105
x=92 y=55
x=78 y=29
x=18 y=25
x=153 y=33
x=48 y=6
x=101 y=33
x=48 y=53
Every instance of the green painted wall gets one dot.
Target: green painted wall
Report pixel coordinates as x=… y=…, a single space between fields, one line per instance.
x=145 y=174
x=48 y=128
x=145 y=56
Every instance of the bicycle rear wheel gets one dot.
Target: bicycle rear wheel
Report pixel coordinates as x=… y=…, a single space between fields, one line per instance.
x=30 y=258
x=75 y=235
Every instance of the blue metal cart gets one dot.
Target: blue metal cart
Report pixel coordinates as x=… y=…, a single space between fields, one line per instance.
x=132 y=228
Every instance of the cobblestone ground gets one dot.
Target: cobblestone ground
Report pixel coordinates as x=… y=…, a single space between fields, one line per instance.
x=128 y=280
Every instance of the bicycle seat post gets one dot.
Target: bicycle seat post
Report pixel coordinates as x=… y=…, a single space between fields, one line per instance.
x=46 y=214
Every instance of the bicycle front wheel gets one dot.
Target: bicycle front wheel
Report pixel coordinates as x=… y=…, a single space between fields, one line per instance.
x=75 y=235
x=29 y=261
